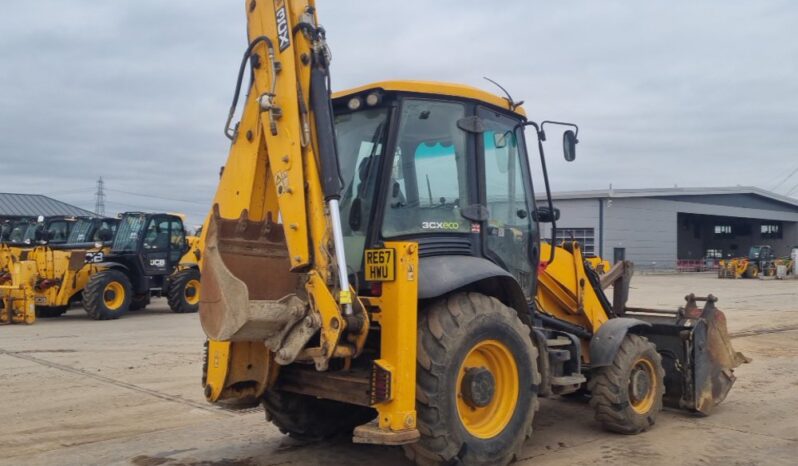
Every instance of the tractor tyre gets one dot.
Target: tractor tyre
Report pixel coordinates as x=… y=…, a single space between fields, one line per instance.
x=307 y=418
x=184 y=289
x=476 y=385
x=751 y=271
x=139 y=302
x=627 y=395
x=47 y=312
x=107 y=295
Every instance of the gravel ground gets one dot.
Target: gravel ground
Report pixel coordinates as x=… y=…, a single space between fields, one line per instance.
x=76 y=391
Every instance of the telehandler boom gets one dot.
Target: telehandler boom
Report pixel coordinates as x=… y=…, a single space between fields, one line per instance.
x=376 y=254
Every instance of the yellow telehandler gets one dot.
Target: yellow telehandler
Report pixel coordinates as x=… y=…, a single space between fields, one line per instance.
x=372 y=264
x=62 y=270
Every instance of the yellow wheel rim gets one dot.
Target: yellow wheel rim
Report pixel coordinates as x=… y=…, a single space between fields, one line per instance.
x=114 y=295
x=642 y=386
x=191 y=292
x=489 y=364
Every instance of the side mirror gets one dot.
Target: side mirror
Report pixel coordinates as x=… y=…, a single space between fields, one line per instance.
x=104 y=234
x=569 y=143
x=544 y=215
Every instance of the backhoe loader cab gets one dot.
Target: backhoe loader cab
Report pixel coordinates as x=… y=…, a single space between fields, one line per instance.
x=149 y=256
x=442 y=165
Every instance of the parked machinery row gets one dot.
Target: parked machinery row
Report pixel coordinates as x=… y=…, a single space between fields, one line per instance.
x=110 y=265
x=761 y=261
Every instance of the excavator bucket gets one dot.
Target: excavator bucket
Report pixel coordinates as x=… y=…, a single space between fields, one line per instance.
x=696 y=350
x=247 y=291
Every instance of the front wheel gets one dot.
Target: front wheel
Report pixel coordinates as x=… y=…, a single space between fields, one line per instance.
x=107 y=295
x=627 y=395
x=476 y=383
x=184 y=291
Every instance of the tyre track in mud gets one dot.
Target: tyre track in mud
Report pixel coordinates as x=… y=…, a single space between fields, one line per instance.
x=119 y=383
x=763 y=331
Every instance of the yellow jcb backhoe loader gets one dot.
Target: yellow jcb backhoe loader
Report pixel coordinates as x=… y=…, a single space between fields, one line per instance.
x=376 y=255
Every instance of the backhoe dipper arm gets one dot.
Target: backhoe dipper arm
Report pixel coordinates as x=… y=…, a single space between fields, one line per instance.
x=273 y=249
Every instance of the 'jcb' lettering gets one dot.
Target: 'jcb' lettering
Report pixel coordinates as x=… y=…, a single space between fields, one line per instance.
x=283 y=34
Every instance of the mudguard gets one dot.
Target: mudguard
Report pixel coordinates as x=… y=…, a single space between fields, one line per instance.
x=439 y=275
x=607 y=340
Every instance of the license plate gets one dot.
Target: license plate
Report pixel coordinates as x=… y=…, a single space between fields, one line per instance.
x=380 y=265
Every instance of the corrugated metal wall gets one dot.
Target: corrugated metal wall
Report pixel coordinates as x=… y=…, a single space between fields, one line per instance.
x=646 y=228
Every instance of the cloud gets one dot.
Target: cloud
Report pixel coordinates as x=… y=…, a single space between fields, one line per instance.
x=137 y=92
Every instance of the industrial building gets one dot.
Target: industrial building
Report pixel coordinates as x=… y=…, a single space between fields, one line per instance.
x=674 y=227
x=14 y=205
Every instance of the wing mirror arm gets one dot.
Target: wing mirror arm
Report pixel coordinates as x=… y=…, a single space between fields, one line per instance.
x=541 y=136
x=570 y=140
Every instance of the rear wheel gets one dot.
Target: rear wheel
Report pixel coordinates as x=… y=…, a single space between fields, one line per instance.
x=184 y=291
x=627 y=395
x=475 y=395
x=107 y=295
x=45 y=312
x=308 y=418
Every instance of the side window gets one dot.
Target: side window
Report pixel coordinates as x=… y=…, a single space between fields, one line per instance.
x=59 y=231
x=429 y=182
x=156 y=238
x=177 y=241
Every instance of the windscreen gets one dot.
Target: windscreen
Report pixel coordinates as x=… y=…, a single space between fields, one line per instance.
x=128 y=233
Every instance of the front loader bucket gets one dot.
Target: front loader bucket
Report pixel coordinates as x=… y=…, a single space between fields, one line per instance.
x=697 y=353
x=247 y=291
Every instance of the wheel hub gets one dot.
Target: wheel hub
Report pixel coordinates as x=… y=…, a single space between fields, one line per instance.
x=478 y=387
x=640 y=385
x=109 y=295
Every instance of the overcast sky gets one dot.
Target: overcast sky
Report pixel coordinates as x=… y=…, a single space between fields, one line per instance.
x=665 y=93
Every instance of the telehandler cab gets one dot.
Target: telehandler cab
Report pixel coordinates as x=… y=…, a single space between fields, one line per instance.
x=378 y=255
x=150 y=256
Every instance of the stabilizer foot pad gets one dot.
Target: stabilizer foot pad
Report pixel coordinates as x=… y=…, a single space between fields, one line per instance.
x=373 y=435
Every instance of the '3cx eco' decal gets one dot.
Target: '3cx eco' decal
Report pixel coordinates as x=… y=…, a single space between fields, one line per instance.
x=440 y=226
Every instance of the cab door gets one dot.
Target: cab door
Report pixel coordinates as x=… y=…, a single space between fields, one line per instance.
x=177 y=242
x=155 y=247
x=510 y=237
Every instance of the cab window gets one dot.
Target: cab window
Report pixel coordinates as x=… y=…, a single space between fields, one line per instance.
x=156 y=238
x=429 y=182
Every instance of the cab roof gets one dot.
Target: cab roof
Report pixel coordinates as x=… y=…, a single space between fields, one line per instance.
x=435 y=88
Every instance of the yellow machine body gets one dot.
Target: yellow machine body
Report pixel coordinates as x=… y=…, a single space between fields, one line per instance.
x=60 y=275
x=16 y=297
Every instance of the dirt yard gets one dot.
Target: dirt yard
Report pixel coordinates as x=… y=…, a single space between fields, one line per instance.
x=76 y=391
